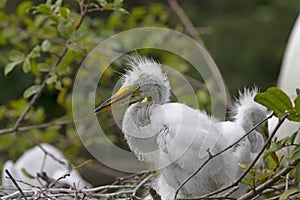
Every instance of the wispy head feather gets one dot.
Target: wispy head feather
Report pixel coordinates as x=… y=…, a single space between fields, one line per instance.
x=144 y=71
x=138 y=65
x=246 y=111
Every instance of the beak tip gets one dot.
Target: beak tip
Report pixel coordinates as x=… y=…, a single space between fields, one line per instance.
x=97 y=110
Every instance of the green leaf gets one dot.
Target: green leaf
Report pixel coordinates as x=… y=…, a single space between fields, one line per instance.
x=58 y=85
x=293 y=137
x=10 y=66
x=35 y=52
x=58 y=3
x=46 y=45
x=297 y=104
x=27 y=174
x=23 y=7
x=31 y=91
x=102 y=2
x=16 y=56
x=123 y=11
x=49 y=2
x=63 y=70
x=294 y=117
x=118 y=3
x=77 y=35
x=44 y=9
x=109 y=6
x=287 y=193
x=51 y=79
x=297 y=173
x=43 y=67
x=296 y=153
x=65 y=28
x=276 y=100
x=26 y=65
x=64 y=12
x=76 y=48
x=54 y=18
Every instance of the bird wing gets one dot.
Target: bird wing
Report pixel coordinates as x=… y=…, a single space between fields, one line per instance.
x=184 y=131
x=186 y=139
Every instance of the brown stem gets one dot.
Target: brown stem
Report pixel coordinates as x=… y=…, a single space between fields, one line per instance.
x=192 y=31
x=15 y=183
x=270 y=182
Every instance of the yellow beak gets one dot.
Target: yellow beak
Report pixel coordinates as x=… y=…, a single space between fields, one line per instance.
x=122 y=96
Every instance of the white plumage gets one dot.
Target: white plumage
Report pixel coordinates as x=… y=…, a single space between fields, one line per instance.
x=175 y=137
x=34 y=161
x=289 y=80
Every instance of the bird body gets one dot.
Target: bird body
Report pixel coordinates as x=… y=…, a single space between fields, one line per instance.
x=178 y=139
x=33 y=162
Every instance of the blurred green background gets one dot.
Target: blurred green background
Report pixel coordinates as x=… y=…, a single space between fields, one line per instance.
x=246 y=39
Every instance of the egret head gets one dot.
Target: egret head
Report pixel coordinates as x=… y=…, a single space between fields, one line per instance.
x=144 y=82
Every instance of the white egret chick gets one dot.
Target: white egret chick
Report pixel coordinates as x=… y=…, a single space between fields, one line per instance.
x=177 y=138
x=35 y=161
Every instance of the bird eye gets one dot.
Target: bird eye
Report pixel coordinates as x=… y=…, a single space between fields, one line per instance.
x=136 y=87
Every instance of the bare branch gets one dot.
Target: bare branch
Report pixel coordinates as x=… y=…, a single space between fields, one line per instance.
x=270 y=182
x=185 y=21
x=206 y=198
x=38 y=126
x=278 y=188
x=15 y=183
x=105 y=187
x=82 y=164
x=33 y=140
x=128 y=189
x=192 y=31
x=141 y=184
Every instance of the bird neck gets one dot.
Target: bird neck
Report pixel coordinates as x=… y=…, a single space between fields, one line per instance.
x=158 y=94
x=140 y=138
x=140 y=113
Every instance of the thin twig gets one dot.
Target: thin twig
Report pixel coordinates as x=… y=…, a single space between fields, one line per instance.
x=211 y=157
x=23 y=182
x=278 y=188
x=270 y=181
x=287 y=179
x=230 y=192
x=15 y=183
x=38 y=126
x=60 y=178
x=97 y=189
x=207 y=198
x=192 y=31
x=53 y=183
x=82 y=164
x=185 y=21
x=141 y=184
x=34 y=141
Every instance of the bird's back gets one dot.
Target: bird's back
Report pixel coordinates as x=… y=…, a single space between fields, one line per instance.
x=190 y=137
